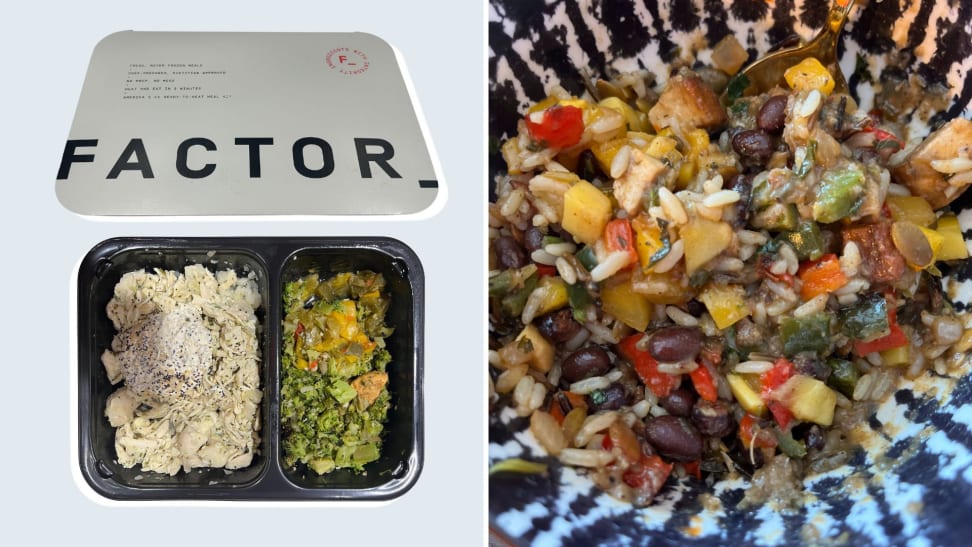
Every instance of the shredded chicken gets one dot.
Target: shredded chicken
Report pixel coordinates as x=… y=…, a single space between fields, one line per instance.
x=918 y=172
x=187 y=351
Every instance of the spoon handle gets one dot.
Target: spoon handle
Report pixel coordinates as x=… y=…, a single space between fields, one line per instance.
x=839 y=11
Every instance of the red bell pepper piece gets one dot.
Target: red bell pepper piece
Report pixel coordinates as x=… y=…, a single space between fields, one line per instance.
x=780 y=413
x=821 y=276
x=894 y=339
x=660 y=383
x=557 y=412
x=545 y=270
x=618 y=236
x=650 y=474
x=559 y=126
x=694 y=469
x=704 y=385
x=749 y=433
x=775 y=377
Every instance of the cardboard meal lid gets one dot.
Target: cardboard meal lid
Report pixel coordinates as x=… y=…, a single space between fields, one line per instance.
x=186 y=123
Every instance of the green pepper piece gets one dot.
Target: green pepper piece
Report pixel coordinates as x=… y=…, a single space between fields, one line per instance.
x=776 y=217
x=509 y=280
x=809 y=156
x=579 y=300
x=839 y=194
x=513 y=302
x=810 y=333
x=865 y=320
x=806 y=240
x=790 y=446
x=587 y=258
x=843 y=377
x=736 y=86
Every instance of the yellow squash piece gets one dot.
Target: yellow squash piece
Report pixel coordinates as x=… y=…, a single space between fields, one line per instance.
x=541 y=352
x=553 y=294
x=809 y=399
x=586 y=211
x=726 y=304
x=919 y=245
x=809 y=74
x=953 y=243
x=631 y=308
x=704 y=240
x=671 y=287
x=745 y=395
x=911 y=208
x=648 y=240
x=636 y=121
x=897 y=356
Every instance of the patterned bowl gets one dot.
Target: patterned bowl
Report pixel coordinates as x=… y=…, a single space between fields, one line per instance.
x=911 y=481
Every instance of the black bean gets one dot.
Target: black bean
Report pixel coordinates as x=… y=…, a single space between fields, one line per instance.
x=753 y=143
x=509 y=253
x=612 y=397
x=533 y=239
x=808 y=364
x=675 y=438
x=695 y=308
x=584 y=363
x=772 y=115
x=815 y=437
x=678 y=403
x=712 y=418
x=743 y=184
x=675 y=344
x=558 y=326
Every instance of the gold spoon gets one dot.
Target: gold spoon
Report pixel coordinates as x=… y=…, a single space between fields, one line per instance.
x=767 y=72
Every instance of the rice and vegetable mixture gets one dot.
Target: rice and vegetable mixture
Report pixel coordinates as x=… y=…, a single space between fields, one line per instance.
x=187 y=352
x=334 y=396
x=681 y=284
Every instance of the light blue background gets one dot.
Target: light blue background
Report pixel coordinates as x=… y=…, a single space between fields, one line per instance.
x=44 y=51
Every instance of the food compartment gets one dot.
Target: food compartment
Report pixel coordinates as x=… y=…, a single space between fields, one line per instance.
x=99 y=272
x=398 y=464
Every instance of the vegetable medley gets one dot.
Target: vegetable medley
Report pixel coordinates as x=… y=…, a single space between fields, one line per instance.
x=334 y=395
x=686 y=284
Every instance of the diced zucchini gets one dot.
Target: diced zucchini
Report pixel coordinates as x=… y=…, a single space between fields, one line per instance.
x=865 y=320
x=839 y=194
x=586 y=211
x=776 y=217
x=810 y=400
x=541 y=350
x=843 y=376
x=809 y=333
x=745 y=395
x=898 y=356
x=806 y=240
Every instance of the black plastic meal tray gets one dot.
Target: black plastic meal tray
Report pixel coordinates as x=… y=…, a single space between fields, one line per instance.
x=275 y=261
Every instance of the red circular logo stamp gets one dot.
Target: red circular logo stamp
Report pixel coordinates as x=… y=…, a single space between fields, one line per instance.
x=347 y=61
